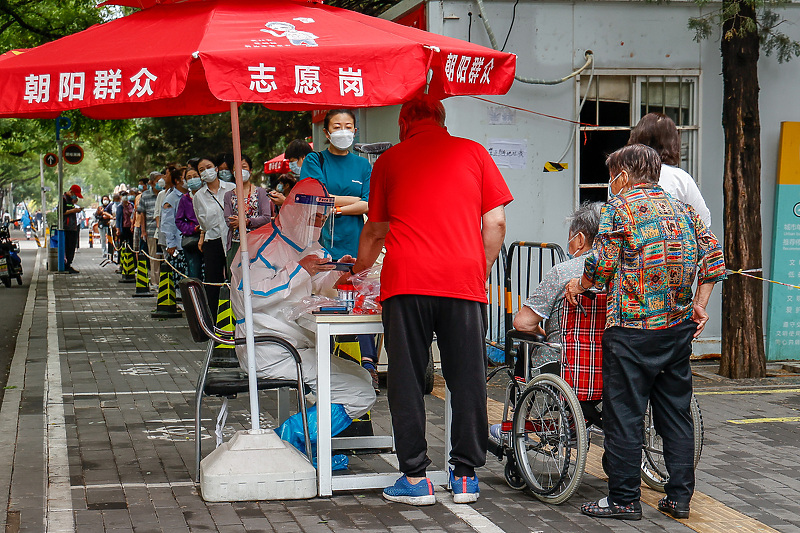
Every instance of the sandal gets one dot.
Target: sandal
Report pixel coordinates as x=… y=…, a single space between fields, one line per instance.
x=605 y=509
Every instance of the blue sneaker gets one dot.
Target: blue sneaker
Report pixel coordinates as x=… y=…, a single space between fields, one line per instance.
x=465 y=489
x=404 y=492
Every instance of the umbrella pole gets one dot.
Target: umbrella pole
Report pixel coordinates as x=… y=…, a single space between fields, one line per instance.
x=248 y=294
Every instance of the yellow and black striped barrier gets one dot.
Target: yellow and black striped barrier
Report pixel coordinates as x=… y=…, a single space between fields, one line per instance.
x=224 y=355
x=142 y=279
x=166 y=307
x=126 y=264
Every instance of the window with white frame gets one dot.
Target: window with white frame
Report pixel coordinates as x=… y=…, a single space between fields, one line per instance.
x=614 y=103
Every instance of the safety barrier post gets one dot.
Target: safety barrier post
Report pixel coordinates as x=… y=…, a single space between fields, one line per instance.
x=224 y=356
x=166 y=307
x=126 y=261
x=142 y=279
x=91 y=238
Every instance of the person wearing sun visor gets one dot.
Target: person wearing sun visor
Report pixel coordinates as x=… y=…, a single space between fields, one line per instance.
x=288 y=264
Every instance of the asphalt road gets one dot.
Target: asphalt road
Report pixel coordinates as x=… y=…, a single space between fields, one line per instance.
x=12 y=302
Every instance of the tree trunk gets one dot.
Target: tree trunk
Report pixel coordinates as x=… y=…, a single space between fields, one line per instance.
x=742 y=325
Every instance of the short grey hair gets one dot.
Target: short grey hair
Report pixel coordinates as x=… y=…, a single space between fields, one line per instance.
x=642 y=163
x=586 y=220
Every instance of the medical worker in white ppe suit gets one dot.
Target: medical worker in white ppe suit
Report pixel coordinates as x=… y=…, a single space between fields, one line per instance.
x=286 y=266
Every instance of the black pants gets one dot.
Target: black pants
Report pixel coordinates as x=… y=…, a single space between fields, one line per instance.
x=214 y=259
x=70 y=243
x=639 y=365
x=409 y=323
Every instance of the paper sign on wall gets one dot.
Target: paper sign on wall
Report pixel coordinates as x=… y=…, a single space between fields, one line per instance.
x=509 y=153
x=502 y=115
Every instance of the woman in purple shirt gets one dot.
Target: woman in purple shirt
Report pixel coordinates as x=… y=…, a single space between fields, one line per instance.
x=189 y=227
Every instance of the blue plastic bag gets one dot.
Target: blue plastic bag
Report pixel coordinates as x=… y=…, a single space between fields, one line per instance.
x=292 y=432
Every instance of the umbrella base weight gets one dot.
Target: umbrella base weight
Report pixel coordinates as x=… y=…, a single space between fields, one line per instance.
x=258 y=466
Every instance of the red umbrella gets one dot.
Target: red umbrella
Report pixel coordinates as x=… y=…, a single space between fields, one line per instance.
x=278 y=164
x=200 y=57
x=192 y=58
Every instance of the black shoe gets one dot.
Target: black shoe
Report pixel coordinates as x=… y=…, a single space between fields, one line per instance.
x=71 y=270
x=677 y=510
x=632 y=511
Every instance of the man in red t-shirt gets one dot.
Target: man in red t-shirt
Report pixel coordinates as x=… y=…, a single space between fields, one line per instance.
x=439 y=249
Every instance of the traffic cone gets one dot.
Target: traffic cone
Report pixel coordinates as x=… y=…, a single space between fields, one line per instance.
x=224 y=356
x=142 y=279
x=166 y=306
x=126 y=260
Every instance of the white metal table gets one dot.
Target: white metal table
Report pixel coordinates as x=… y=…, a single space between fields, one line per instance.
x=326 y=326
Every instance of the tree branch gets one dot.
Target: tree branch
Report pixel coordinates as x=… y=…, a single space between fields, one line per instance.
x=5 y=8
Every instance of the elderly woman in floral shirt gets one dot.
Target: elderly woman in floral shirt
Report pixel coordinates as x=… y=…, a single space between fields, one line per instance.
x=647 y=252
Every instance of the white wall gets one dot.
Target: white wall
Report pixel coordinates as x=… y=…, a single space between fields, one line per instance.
x=550 y=39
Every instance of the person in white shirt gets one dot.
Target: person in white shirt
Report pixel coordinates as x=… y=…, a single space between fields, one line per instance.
x=659 y=132
x=208 y=204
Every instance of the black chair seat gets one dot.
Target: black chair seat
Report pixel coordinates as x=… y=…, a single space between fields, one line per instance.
x=236 y=382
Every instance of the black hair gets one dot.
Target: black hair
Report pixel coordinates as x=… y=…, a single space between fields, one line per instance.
x=224 y=157
x=249 y=161
x=144 y=180
x=297 y=148
x=333 y=112
x=193 y=162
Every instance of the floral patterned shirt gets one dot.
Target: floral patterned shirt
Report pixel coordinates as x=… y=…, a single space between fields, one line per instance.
x=647 y=251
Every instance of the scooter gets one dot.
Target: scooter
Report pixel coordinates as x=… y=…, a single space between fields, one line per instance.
x=10 y=263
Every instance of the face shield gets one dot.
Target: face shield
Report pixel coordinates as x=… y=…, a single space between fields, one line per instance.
x=305 y=213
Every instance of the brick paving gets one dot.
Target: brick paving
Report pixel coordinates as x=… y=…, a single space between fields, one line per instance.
x=127 y=389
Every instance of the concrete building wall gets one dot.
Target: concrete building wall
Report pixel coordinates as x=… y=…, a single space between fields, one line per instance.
x=550 y=40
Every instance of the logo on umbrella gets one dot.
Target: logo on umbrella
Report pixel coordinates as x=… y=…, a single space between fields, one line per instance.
x=288 y=30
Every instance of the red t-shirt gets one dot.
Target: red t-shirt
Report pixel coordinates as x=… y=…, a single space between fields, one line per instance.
x=433 y=188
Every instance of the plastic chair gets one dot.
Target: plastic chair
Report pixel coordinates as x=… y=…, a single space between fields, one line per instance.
x=228 y=384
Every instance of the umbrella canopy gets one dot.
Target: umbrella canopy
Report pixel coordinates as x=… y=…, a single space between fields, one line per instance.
x=193 y=57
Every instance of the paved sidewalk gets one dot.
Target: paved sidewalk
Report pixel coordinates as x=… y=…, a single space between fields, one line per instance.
x=96 y=434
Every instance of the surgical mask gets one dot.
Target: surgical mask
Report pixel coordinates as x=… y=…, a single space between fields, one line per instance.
x=194 y=184
x=294 y=168
x=208 y=175
x=105 y=202
x=342 y=139
x=74 y=197
x=245 y=175
x=225 y=175
x=131 y=197
x=279 y=188
x=611 y=194
x=141 y=187
x=161 y=184
x=570 y=255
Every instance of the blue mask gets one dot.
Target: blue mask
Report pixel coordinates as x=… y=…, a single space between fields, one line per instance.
x=194 y=184
x=611 y=194
x=141 y=187
x=225 y=175
x=279 y=188
x=294 y=167
x=131 y=197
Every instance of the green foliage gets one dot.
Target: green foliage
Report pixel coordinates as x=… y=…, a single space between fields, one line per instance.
x=766 y=24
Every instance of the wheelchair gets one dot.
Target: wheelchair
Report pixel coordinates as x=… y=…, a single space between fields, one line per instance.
x=545 y=441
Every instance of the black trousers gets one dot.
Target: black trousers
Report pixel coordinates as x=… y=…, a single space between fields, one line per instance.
x=70 y=243
x=215 y=263
x=409 y=322
x=639 y=365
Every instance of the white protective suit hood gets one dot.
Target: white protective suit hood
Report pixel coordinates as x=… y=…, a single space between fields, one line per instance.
x=279 y=282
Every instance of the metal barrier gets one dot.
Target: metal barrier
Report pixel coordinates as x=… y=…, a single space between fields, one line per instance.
x=496 y=330
x=525 y=265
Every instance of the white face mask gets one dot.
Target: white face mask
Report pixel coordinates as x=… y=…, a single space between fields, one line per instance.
x=208 y=175
x=245 y=175
x=342 y=139
x=611 y=194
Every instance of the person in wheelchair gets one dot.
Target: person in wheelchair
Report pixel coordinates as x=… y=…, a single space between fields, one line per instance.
x=546 y=304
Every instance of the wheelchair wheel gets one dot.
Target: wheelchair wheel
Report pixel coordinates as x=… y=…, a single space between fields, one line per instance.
x=654 y=469
x=512 y=475
x=549 y=438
